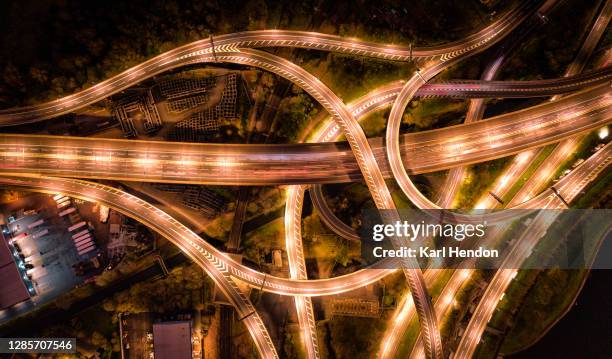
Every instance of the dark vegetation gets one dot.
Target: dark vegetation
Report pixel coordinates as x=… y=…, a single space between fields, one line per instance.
x=51 y=48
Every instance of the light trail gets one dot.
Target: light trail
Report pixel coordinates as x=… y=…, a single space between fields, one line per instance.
x=502 y=279
x=365 y=157
x=302 y=163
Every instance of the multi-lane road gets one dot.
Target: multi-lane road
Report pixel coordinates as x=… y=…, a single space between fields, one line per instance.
x=427 y=151
x=476 y=107
x=519 y=164
x=530 y=237
x=217 y=45
x=202 y=252
x=28 y=160
x=523 y=246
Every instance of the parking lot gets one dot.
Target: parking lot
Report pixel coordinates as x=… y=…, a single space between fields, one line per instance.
x=46 y=247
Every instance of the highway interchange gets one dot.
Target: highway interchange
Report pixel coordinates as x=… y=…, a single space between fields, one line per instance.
x=429 y=151
x=33 y=161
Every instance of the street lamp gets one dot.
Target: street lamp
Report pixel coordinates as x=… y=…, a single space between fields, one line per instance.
x=603 y=132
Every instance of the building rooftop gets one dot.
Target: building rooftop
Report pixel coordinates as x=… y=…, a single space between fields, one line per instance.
x=172 y=340
x=13 y=288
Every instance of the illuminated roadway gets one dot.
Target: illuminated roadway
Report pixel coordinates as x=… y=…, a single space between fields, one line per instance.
x=187 y=240
x=529 y=239
x=522 y=127
x=336 y=289
x=487 y=88
x=476 y=107
x=394 y=153
x=562 y=149
x=367 y=164
x=347 y=280
x=151 y=161
x=568 y=189
x=201 y=251
x=519 y=164
x=186 y=54
x=184 y=238
x=352 y=131
x=507 y=179
x=360 y=146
